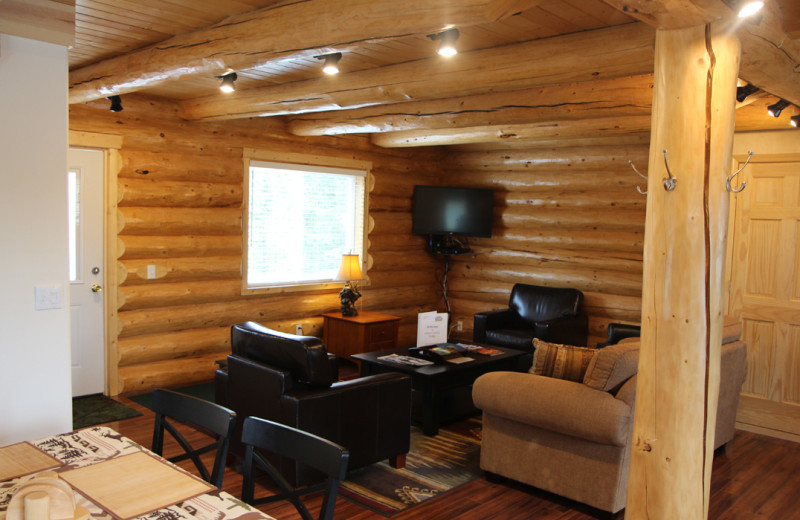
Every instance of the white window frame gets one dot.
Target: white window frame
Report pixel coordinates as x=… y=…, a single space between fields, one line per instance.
x=291 y=160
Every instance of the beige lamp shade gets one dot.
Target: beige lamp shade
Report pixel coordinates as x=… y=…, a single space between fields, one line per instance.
x=350 y=269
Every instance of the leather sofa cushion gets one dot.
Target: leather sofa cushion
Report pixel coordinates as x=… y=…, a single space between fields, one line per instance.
x=304 y=356
x=560 y=361
x=613 y=365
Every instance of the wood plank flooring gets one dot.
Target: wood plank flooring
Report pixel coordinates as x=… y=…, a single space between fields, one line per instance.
x=754 y=478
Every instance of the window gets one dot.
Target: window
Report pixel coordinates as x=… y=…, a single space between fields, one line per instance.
x=300 y=219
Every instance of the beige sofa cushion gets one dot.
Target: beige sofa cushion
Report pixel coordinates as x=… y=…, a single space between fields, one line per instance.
x=613 y=365
x=560 y=361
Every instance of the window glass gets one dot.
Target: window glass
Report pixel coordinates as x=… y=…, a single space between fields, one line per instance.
x=300 y=220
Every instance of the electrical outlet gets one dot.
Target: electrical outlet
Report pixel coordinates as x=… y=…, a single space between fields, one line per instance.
x=459 y=325
x=298 y=329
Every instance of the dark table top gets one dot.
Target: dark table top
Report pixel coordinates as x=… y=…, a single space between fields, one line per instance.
x=479 y=360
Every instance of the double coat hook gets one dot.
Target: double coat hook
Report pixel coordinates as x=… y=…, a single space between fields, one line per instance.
x=670 y=182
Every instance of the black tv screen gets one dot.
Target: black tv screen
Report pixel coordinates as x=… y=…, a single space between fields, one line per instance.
x=444 y=210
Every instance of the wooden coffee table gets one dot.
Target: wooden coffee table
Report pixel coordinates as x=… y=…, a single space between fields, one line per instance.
x=433 y=382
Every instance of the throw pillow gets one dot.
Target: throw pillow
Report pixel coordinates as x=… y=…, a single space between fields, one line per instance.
x=560 y=361
x=613 y=365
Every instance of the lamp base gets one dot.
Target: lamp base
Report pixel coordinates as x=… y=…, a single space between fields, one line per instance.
x=349 y=310
x=348 y=297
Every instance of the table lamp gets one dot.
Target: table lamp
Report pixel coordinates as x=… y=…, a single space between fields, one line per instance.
x=350 y=270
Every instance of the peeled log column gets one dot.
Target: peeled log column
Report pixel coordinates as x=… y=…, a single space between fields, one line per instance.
x=684 y=259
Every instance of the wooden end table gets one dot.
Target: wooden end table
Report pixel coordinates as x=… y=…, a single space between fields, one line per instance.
x=366 y=332
x=434 y=381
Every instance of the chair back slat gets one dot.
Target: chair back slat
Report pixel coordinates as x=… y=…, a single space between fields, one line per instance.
x=260 y=435
x=204 y=416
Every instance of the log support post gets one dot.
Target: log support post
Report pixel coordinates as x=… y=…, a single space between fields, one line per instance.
x=684 y=254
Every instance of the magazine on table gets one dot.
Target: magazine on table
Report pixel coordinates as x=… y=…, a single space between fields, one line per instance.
x=406 y=360
x=479 y=349
x=442 y=352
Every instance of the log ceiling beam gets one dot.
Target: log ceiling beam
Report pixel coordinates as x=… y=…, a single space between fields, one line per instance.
x=627 y=96
x=606 y=53
x=51 y=21
x=255 y=38
x=770 y=58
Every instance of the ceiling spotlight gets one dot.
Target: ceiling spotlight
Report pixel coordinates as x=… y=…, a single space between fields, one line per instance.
x=776 y=109
x=116 y=103
x=795 y=121
x=743 y=92
x=447 y=42
x=749 y=8
x=228 y=83
x=331 y=62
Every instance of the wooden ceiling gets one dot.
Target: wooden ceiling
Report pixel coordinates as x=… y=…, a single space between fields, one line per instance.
x=527 y=70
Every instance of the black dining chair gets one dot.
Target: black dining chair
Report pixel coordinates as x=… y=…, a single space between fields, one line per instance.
x=261 y=437
x=204 y=416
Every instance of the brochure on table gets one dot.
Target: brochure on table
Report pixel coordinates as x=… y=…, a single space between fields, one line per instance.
x=431 y=328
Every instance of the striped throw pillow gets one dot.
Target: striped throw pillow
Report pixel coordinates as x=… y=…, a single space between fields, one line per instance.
x=560 y=361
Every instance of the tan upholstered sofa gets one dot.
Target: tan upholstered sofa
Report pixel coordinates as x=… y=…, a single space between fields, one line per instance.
x=573 y=439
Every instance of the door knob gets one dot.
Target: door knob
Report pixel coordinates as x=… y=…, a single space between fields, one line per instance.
x=96 y=288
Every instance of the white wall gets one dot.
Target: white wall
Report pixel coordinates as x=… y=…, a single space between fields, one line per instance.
x=34 y=345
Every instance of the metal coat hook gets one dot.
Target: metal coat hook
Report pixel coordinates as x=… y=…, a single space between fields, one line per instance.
x=670 y=182
x=640 y=175
x=730 y=179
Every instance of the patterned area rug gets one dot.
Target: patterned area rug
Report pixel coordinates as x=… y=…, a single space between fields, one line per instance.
x=434 y=466
x=98 y=409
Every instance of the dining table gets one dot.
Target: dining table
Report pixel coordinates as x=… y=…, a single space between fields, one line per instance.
x=113 y=477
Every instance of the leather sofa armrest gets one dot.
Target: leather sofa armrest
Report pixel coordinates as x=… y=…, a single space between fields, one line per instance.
x=334 y=362
x=221 y=386
x=557 y=405
x=489 y=320
x=568 y=330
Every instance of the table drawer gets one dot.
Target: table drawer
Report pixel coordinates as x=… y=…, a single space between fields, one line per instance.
x=381 y=332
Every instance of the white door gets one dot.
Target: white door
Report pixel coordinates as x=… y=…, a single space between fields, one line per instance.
x=85 y=180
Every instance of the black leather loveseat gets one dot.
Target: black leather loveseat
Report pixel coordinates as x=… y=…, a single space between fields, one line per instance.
x=551 y=314
x=291 y=380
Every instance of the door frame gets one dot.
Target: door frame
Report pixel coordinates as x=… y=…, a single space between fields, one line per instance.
x=112 y=164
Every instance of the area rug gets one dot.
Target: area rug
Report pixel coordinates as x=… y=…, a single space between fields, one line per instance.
x=204 y=391
x=98 y=409
x=434 y=466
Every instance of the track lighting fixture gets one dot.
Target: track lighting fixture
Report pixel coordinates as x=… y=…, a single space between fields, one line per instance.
x=776 y=109
x=228 y=83
x=795 y=121
x=331 y=62
x=447 y=42
x=116 y=103
x=743 y=92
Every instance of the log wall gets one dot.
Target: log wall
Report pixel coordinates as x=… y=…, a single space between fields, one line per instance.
x=564 y=217
x=180 y=209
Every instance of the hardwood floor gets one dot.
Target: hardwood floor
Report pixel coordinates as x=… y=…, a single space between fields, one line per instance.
x=754 y=478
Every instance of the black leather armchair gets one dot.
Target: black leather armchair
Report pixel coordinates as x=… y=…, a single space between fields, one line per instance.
x=548 y=313
x=618 y=332
x=290 y=380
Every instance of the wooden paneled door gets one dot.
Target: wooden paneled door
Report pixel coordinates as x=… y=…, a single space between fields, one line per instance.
x=765 y=293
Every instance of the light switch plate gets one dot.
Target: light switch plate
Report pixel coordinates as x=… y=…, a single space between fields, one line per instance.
x=47 y=297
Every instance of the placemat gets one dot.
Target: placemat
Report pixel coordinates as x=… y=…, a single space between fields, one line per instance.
x=22 y=458
x=135 y=484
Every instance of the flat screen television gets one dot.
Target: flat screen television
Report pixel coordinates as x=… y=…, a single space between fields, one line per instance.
x=452 y=210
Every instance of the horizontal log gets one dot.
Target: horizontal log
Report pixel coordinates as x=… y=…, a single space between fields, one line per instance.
x=553 y=130
x=158 y=247
x=574 y=199
x=256 y=308
x=183 y=269
x=180 y=221
x=387 y=223
x=390 y=203
x=614 y=282
x=583 y=159
x=609 y=52
x=620 y=141
x=152 y=348
x=151 y=295
x=522 y=217
x=173 y=166
x=516 y=239
x=396 y=241
x=145 y=192
x=400 y=260
x=609 y=99
x=172 y=373
x=600 y=260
